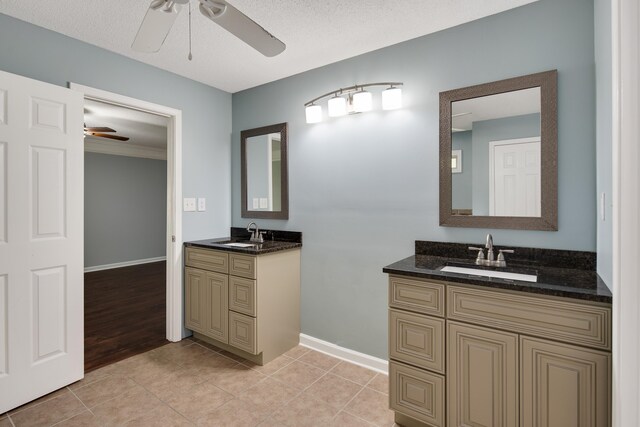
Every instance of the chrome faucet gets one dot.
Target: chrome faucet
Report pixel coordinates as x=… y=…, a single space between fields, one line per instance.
x=490 y=259
x=256 y=234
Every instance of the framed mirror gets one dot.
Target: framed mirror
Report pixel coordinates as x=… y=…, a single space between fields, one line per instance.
x=498 y=154
x=265 y=183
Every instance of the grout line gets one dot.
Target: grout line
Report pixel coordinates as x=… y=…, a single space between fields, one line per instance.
x=10 y=420
x=83 y=404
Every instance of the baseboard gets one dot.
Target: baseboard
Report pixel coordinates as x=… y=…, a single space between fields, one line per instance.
x=124 y=264
x=364 y=360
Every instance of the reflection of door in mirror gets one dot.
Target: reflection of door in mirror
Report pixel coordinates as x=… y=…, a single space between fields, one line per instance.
x=264 y=183
x=497 y=179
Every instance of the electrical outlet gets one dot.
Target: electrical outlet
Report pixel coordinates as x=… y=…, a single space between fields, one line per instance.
x=202 y=204
x=189 y=204
x=256 y=203
x=264 y=203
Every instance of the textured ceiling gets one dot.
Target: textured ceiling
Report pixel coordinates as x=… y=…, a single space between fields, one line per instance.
x=316 y=32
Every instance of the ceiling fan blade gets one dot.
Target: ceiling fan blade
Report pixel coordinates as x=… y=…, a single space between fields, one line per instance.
x=106 y=135
x=156 y=25
x=241 y=26
x=99 y=129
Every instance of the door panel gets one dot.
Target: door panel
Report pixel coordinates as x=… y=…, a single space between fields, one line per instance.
x=41 y=239
x=216 y=306
x=194 y=285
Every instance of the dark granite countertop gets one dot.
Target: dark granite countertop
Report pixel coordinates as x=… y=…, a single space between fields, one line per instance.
x=573 y=281
x=275 y=241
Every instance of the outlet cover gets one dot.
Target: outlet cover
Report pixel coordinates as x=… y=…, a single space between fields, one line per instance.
x=202 y=204
x=189 y=204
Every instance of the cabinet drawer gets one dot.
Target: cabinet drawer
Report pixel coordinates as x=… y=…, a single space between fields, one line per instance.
x=416 y=295
x=583 y=324
x=416 y=393
x=242 y=332
x=242 y=265
x=207 y=259
x=417 y=340
x=242 y=295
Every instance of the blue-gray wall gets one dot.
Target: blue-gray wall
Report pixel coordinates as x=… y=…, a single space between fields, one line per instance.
x=493 y=130
x=44 y=55
x=604 y=128
x=462 y=183
x=125 y=209
x=364 y=187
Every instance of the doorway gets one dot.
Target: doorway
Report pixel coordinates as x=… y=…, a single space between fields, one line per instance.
x=173 y=234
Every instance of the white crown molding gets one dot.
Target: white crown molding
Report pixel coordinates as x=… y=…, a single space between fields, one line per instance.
x=102 y=146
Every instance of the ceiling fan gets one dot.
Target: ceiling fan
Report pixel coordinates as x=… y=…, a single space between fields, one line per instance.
x=103 y=132
x=162 y=14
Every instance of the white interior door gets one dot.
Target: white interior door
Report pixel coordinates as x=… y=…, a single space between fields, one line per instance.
x=514 y=187
x=41 y=239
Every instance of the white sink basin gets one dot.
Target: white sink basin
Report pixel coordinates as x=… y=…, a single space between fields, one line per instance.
x=240 y=245
x=491 y=273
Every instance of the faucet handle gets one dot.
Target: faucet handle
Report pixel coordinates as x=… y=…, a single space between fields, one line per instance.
x=480 y=257
x=501 y=261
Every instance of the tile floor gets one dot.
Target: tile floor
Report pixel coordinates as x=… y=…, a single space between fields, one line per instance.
x=191 y=383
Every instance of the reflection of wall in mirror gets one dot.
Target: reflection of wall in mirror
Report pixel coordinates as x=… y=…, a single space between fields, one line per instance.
x=490 y=130
x=461 y=183
x=276 y=172
x=258 y=172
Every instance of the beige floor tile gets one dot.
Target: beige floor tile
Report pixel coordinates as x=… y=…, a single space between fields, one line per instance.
x=298 y=375
x=83 y=419
x=270 y=422
x=305 y=411
x=236 y=378
x=207 y=345
x=197 y=401
x=319 y=360
x=44 y=398
x=297 y=351
x=268 y=395
x=372 y=406
x=354 y=373
x=232 y=356
x=234 y=413
x=165 y=385
x=61 y=407
x=105 y=389
x=184 y=354
x=333 y=390
x=344 y=419
x=93 y=376
x=161 y=416
x=132 y=404
x=271 y=367
x=380 y=383
x=4 y=422
x=150 y=370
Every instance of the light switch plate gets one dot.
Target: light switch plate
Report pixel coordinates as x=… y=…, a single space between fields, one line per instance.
x=189 y=204
x=202 y=204
x=264 y=203
x=256 y=203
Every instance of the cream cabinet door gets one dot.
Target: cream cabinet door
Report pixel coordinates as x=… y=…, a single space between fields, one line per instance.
x=215 y=306
x=563 y=385
x=482 y=377
x=194 y=289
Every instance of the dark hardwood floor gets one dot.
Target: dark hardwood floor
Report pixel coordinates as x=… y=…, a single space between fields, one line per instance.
x=124 y=313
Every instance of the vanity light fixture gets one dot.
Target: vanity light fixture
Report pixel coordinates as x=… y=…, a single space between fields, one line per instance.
x=354 y=99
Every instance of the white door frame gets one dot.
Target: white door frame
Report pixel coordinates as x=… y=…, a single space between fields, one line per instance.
x=625 y=25
x=174 y=196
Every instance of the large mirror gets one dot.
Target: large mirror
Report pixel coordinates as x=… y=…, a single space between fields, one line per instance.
x=498 y=154
x=265 y=185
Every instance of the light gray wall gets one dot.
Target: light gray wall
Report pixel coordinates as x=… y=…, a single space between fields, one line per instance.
x=125 y=209
x=462 y=183
x=494 y=130
x=257 y=169
x=206 y=112
x=364 y=187
x=604 y=100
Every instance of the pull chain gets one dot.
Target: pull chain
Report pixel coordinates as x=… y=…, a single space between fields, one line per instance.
x=190 y=55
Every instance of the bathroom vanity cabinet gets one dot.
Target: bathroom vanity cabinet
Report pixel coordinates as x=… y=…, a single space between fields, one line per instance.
x=246 y=304
x=464 y=355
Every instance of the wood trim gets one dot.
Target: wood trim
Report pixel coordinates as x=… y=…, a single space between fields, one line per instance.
x=284 y=165
x=124 y=264
x=101 y=146
x=343 y=353
x=547 y=81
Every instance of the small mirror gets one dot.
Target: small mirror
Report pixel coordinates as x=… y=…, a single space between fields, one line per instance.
x=498 y=165
x=264 y=172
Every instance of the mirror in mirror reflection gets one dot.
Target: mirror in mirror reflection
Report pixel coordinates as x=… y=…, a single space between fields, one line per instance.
x=264 y=178
x=495 y=159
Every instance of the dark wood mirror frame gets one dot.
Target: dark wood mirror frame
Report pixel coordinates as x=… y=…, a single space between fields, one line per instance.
x=548 y=82
x=265 y=130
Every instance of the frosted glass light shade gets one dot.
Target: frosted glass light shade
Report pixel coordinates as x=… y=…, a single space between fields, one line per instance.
x=313 y=113
x=337 y=106
x=392 y=98
x=362 y=101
